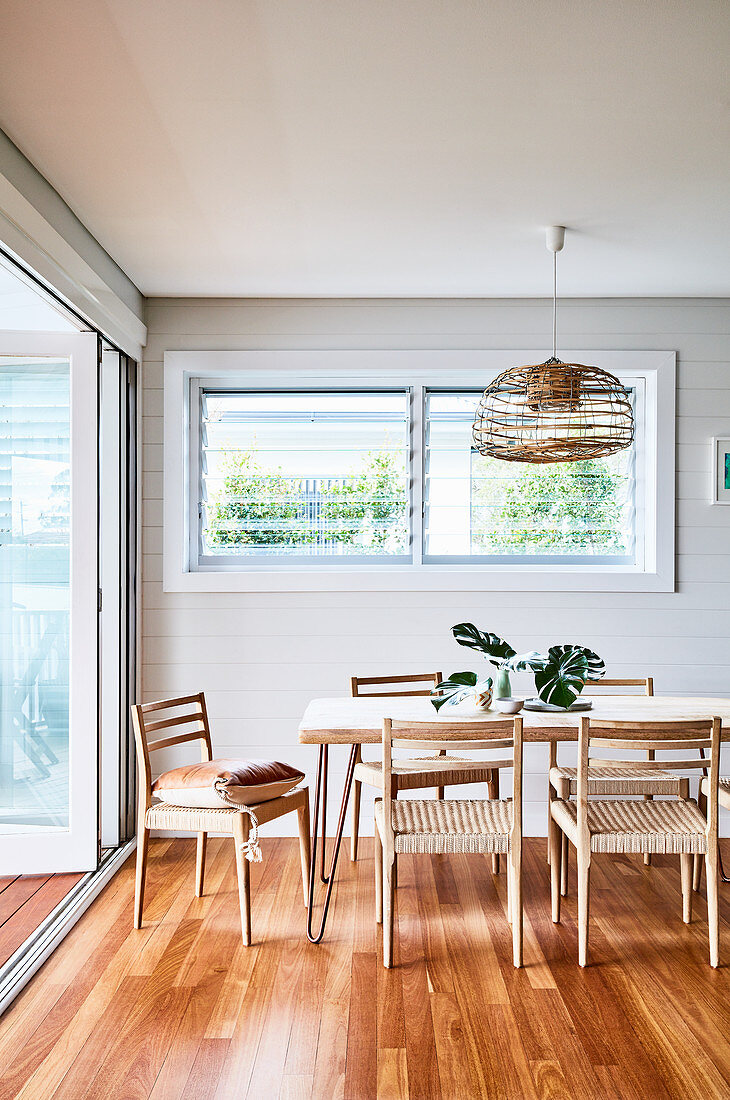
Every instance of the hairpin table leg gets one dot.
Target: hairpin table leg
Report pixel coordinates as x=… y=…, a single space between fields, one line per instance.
x=324 y=755
x=320 y=794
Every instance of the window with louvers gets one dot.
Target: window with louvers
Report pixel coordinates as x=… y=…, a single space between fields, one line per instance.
x=320 y=476
x=484 y=509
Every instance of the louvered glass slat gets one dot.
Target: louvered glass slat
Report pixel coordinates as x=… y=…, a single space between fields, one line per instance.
x=478 y=507
x=304 y=474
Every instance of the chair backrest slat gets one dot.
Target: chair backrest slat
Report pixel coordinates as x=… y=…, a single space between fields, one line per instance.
x=649 y=765
x=170 y=723
x=381 y=683
x=169 y=704
x=458 y=746
x=452 y=730
x=645 y=732
x=593 y=687
x=661 y=746
x=177 y=739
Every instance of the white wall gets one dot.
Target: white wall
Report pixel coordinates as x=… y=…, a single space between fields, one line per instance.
x=261 y=657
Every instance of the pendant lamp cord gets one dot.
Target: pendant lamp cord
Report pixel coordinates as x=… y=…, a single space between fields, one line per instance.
x=555 y=304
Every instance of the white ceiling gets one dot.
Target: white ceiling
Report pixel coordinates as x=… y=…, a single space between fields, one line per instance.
x=354 y=147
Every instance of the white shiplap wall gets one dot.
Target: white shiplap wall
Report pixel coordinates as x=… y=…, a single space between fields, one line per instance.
x=261 y=657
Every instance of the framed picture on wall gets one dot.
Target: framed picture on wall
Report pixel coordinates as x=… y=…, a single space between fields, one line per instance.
x=721 y=470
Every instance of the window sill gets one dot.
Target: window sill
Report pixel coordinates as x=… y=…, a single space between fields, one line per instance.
x=425 y=578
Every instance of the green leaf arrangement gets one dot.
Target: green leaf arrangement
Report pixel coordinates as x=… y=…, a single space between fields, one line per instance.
x=560 y=674
x=495 y=648
x=566 y=668
x=497 y=651
x=457 y=687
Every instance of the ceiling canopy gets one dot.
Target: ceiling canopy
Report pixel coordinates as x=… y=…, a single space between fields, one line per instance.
x=305 y=147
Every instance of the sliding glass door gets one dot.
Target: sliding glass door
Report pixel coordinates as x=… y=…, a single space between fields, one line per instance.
x=48 y=603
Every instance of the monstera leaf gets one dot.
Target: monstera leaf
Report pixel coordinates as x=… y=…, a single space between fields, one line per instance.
x=456 y=688
x=522 y=662
x=561 y=675
x=494 y=648
x=596 y=664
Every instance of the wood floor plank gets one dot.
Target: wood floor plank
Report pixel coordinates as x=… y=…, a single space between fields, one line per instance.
x=271 y=1055
x=423 y=1073
x=204 y=979
x=550 y=1084
x=331 y=1060
x=20 y=918
x=236 y=978
x=81 y=1023
x=361 y=1068
x=301 y=1053
x=517 y=1078
x=455 y=1074
x=296 y=1087
x=82 y=1071
x=238 y=1064
x=181 y=1009
x=86 y=941
x=392 y=1074
x=268 y=1068
x=17 y=892
x=130 y=1042
x=565 y=1045
x=205 y=1073
x=243 y=1052
x=54 y=1040
x=440 y=977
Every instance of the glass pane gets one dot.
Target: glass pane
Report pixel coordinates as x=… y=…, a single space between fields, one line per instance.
x=35 y=500
x=23 y=307
x=485 y=507
x=313 y=475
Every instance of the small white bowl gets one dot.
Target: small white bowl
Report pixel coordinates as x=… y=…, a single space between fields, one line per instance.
x=508 y=706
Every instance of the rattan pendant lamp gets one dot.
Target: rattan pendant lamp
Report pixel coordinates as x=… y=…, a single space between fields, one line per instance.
x=553 y=411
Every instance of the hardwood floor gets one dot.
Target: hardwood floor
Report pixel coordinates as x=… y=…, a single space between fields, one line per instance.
x=182 y=1009
x=25 y=902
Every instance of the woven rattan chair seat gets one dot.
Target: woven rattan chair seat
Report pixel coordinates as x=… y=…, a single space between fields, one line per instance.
x=164 y=816
x=674 y=827
x=432 y=771
x=459 y=825
x=620 y=781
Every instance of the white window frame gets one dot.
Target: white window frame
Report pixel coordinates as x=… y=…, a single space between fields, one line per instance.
x=452 y=369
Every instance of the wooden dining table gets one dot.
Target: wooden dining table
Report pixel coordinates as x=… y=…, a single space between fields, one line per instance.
x=359 y=721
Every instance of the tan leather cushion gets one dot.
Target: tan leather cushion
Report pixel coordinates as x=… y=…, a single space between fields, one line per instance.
x=213 y=783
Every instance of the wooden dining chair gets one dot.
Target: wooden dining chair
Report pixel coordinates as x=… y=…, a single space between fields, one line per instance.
x=611 y=780
x=674 y=826
x=411 y=775
x=187 y=718
x=448 y=826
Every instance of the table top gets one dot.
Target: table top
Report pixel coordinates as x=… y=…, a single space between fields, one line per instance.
x=348 y=721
